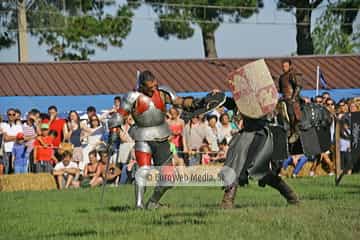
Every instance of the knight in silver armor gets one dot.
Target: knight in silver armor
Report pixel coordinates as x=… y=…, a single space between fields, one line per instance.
x=147 y=106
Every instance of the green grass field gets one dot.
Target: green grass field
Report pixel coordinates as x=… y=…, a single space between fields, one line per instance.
x=326 y=212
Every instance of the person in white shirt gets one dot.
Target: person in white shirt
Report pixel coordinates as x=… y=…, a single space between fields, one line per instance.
x=67 y=172
x=9 y=131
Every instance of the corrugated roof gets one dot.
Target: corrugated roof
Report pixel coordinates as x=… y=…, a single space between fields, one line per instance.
x=115 y=77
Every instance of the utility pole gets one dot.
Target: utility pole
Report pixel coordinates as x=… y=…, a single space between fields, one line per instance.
x=23 y=55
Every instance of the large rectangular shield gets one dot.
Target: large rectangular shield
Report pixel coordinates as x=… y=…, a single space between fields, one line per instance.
x=253 y=89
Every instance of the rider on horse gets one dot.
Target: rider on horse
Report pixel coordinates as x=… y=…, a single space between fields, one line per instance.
x=290 y=87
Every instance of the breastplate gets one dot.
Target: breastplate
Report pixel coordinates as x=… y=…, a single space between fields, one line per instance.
x=146 y=114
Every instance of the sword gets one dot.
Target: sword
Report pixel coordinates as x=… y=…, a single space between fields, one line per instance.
x=114 y=124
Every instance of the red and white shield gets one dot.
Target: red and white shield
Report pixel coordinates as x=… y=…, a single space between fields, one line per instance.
x=253 y=89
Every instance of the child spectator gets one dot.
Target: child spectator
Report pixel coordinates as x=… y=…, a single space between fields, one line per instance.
x=43 y=151
x=67 y=172
x=19 y=159
x=221 y=155
x=205 y=154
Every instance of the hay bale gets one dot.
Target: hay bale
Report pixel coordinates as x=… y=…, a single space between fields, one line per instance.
x=27 y=182
x=305 y=171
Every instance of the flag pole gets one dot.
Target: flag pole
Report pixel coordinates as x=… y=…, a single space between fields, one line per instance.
x=317 y=79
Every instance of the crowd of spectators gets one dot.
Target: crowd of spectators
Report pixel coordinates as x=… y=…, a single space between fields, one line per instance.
x=70 y=148
x=339 y=113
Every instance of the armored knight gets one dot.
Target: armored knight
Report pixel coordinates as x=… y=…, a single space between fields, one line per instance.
x=255 y=151
x=147 y=106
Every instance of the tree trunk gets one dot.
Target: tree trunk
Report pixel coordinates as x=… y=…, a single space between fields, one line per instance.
x=22 y=31
x=209 y=43
x=303 y=32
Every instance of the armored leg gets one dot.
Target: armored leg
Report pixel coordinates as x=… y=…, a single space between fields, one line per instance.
x=162 y=186
x=143 y=158
x=140 y=185
x=154 y=201
x=279 y=184
x=229 y=197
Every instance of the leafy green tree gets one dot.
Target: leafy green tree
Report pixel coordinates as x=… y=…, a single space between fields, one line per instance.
x=176 y=18
x=76 y=34
x=334 y=32
x=72 y=29
x=303 y=13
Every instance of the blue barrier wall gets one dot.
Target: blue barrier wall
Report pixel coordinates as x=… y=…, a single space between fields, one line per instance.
x=101 y=102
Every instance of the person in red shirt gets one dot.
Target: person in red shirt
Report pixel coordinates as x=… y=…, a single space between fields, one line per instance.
x=57 y=124
x=43 y=151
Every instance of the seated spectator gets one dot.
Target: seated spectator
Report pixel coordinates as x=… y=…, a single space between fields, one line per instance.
x=112 y=175
x=296 y=160
x=67 y=172
x=19 y=159
x=90 y=168
x=43 y=151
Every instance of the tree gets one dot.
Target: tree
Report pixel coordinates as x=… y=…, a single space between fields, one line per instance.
x=177 y=16
x=73 y=28
x=18 y=8
x=75 y=34
x=303 y=13
x=334 y=32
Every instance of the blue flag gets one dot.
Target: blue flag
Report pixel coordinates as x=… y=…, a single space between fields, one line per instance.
x=323 y=81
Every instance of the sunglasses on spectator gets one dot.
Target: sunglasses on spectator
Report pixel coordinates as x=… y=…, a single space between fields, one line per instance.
x=11 y=114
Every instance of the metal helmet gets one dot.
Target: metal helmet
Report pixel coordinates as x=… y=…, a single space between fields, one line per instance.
x=115 y=121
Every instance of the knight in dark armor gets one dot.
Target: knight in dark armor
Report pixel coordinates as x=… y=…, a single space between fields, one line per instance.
x=256 y=151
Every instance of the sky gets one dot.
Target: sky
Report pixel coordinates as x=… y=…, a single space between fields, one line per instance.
x=243 y=40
